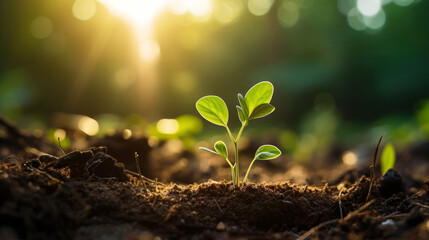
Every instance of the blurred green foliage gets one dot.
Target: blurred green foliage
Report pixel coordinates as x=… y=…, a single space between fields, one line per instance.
x=336 y=71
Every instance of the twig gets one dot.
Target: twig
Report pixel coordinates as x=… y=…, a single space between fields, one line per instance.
x=316 y=228
x=11 y=157
x=156 y=185
x=372 y=167
x=218 y=205
x=356 y=212
x=394 y=216
x=136 y=156
x=45 y=174
x=421 y=205
x=62 y=149
x=145 y=178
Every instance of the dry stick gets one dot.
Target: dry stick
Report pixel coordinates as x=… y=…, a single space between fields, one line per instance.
x=136 y=156
x=62 y=149
x=372 y=167
x=156 y=185
x=394 y=216
x=145 y=178
x=316 y=228
x=350 y=215
x=421 y=205
x=356 y=212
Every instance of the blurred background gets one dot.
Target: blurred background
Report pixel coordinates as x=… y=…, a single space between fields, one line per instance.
x=344 y=71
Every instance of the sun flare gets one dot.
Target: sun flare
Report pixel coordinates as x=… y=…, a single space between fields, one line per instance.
x=141 y=14
x=137 y=12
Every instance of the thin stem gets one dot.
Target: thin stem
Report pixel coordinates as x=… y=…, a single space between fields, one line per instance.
x=230 y=164
x=248 y=170
x=241 y=131
x=233 y=175
x=230 y=134
x=237 y=164
x=236 y=167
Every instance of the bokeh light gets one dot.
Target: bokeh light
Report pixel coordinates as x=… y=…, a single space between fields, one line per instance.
x=350 y=158
x=59 y=134
x=288 y=14
x=355 y=20
x=259 y=7
x=41 y=27
x=88 y=125
x=369 y=7
x=403 y=3
x=227 y=11
x=375 y=22
x=84 y=9
x=167 y=126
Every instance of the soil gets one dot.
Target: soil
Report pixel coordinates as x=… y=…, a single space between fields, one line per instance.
x=92 y=194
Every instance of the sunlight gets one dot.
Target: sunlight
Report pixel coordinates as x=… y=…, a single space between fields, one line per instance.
x=198 y=8
x=137 y=12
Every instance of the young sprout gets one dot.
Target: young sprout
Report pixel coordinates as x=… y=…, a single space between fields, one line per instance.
x=255 y=104
x=388 y=158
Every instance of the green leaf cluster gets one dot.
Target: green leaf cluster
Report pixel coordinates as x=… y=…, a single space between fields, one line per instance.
x=255 y=104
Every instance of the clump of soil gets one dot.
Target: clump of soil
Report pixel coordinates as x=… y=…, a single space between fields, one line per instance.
x=89 y=194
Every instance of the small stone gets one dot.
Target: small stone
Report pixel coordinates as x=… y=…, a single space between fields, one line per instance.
x=388 y=222
x=220 y=226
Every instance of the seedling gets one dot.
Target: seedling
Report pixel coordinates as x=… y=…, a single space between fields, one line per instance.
x=388 y=158
x=255 y=104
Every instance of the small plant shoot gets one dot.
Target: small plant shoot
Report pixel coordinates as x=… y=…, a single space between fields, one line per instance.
x=255 y=104
x=388 y=158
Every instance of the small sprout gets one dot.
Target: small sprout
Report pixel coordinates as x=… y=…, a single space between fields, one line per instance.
x=255 y=104
x=388 y=158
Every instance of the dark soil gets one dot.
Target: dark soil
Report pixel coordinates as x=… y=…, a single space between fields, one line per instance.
x=88 y=194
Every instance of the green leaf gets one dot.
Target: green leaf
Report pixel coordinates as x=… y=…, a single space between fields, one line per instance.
x=241 y=115
x=388 y=158
x=213 y=109
x=243 y=105
x=262 y=111
x=267 y=152
x=258 y=94
x=221 y=149
x=208 y=150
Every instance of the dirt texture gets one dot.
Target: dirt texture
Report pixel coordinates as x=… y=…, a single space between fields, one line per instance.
x=88 y=194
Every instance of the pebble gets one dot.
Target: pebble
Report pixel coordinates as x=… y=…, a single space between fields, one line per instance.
x=220 y=226
x=388 y=222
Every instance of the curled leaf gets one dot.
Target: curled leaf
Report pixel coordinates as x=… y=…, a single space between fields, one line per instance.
x=241 y=114
x=221 y=149
x=267 y=152
x=258 y=94
x=243 y=105
x=262 y=111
